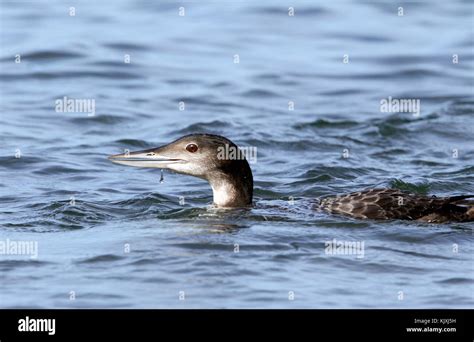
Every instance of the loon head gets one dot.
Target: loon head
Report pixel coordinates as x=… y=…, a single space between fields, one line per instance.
x=211 y=157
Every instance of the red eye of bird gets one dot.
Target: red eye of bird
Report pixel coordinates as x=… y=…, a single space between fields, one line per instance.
x=191 y=148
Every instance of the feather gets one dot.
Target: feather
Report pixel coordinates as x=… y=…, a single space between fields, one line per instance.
x=385 y=204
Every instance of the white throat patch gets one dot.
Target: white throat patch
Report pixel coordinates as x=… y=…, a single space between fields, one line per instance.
x=223 y=194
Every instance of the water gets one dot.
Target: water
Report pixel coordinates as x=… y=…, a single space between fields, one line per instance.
x=111 y=236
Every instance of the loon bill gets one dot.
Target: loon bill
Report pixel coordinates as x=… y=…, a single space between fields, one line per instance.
x=232 y=183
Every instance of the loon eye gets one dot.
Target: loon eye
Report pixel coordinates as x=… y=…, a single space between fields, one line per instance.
x=191 y=148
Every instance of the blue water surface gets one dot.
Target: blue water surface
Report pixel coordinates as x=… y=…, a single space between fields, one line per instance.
x=305 y=90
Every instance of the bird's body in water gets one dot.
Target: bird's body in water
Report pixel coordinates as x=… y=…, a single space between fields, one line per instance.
x=201 y=155
x=385 y=204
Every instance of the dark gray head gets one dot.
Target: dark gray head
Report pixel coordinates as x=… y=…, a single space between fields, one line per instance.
x=205 y=156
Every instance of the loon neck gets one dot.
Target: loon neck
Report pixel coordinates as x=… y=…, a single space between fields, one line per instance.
x=232 y=187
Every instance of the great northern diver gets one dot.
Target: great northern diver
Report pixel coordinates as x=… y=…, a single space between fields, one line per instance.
x=232 y=183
